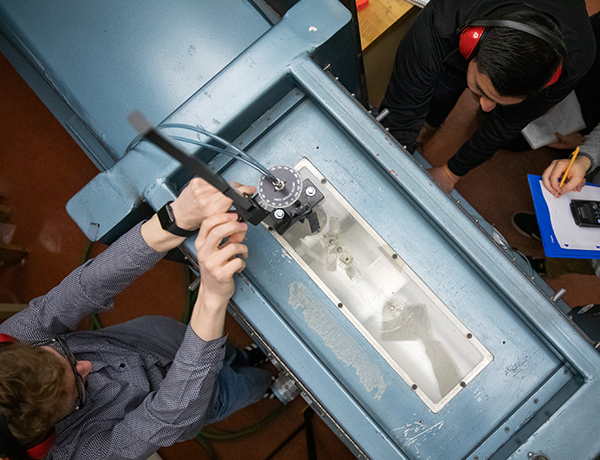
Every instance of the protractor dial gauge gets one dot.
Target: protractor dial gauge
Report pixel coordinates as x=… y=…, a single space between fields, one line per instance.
x=271 y=197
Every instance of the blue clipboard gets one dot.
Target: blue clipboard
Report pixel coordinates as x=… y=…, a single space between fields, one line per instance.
x=551 y=246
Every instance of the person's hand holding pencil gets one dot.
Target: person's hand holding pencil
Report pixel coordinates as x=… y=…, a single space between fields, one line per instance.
x=564 y=176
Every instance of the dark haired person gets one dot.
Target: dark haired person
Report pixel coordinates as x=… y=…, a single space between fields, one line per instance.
x=510 y=72
x=124 y=391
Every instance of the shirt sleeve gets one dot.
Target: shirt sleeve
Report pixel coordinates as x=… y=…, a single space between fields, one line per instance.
x=591 y=148
x=88 y=289
x=502 y=125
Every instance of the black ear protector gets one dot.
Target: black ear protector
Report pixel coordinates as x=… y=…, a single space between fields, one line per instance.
x=9 y=446
x=474 y=30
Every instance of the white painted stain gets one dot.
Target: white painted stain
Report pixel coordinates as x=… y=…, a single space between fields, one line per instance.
x=286 y=255
x=319 y=320
x=418 y=432
x=312 y=29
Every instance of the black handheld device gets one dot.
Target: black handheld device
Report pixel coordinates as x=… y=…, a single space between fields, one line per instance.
x=586 y=213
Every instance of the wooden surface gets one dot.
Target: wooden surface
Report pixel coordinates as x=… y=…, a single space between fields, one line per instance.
x=376 y=18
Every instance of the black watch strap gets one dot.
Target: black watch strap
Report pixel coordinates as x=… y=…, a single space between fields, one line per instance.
x=167 y=221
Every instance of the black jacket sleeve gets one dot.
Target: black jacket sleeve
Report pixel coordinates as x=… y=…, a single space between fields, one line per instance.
x=418 y=64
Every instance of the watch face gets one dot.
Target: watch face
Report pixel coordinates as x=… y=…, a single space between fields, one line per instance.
x=167 y=221
x=169 y=210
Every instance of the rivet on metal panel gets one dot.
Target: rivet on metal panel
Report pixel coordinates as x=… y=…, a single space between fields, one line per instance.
x=414 y=387
x=463 y=384
x=535 y=401
x=323 y=181
x=340 y=305
x=394 y=256
x=469 y=336
x=506 y=429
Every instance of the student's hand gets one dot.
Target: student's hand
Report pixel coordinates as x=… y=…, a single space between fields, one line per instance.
x=444 y=177
x=200 y=200
x=568 y=142
x=218 y=261
x=575 y=180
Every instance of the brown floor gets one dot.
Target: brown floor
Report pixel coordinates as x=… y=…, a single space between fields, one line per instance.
x=41 y=167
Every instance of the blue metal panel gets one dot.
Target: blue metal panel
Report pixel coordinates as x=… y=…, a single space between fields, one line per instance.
x=106 y=57
x=308 y=132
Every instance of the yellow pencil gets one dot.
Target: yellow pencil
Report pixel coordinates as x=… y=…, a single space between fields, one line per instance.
x=573 y=156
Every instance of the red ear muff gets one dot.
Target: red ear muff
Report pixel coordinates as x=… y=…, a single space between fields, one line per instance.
x=42 y=449
x=555 y=77
x=469 y=38
x=5 y=338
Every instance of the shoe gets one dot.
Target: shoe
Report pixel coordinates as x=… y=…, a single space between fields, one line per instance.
x=539 y=265
x=255 y=356
x=526 y=224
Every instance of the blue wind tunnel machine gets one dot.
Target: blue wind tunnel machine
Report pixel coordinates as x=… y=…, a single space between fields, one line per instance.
x=391 y=307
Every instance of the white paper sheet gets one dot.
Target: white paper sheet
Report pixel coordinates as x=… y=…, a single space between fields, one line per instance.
x=565 y=118
x=568 y=234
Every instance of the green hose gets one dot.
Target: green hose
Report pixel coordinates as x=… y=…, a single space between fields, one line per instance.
x=215 y=436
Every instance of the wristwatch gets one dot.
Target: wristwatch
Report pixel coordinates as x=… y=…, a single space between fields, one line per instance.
x=167 y=221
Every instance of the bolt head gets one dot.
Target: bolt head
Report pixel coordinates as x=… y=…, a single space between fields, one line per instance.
x=310 y=191
x=279 y=214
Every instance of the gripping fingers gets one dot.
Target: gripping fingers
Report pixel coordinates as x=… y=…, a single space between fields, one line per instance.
x=219 y=226
x=552 y=175
x=224 y=263
x=231 y=251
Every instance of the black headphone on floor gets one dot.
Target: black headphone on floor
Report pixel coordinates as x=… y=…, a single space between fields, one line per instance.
x=472 y=32
x=9 y=446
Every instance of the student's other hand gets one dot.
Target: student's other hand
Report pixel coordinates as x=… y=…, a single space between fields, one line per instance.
x=219 y=260
x=575 y=180
x=444 y=177
x=200 y=200
x=568 y=142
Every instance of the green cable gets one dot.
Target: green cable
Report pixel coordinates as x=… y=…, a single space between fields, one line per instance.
x=246 y=431
x=212 y=455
